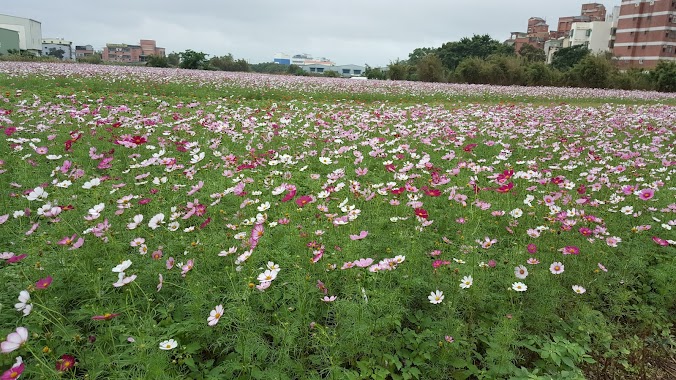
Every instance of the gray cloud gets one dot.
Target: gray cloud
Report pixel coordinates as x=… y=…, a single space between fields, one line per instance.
x=347 y=31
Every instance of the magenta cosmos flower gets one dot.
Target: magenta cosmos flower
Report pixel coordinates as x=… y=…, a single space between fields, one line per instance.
x=44 y=283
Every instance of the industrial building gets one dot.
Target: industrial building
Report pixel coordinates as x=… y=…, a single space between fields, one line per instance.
x=9 y=40
x=300 y=60
x=646 y=33
x=51 y=45
x=30 y=32
x=343 y=70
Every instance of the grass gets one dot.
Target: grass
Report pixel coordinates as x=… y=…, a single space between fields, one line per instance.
x=227 y=162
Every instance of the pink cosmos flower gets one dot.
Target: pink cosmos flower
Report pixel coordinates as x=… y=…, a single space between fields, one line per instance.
x=361 y=235
x=533 y=261
x=570 y=250
x=105 y=317
x=646 y=194
x=532 y=248
x=161 y=279
x=660 y=241
x=556 y=268
x=329 y=299
x=170 y=262
x=215 y=315
x=602 y=267
x=44 y=283
x=14 y=340
x=363 y=263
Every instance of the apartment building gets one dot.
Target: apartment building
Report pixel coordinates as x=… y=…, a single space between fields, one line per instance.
x=590 y=12
x=131 y=53
x=646 y=33
x=51 y=45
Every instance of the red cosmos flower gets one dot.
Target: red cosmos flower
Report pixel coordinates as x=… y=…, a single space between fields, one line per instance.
x=205 y=223
x=105 y=317
x=44 y=283
x=505 y=175
x=289 y=195
x=432 y=192
x=557 y=180
x=9 y=131
x=421 y=212
x=398 y=190
x=469 y=147
x=505 y=188
x=303 y=200
x=65 y=363
x=138 y=140
x=660 y=241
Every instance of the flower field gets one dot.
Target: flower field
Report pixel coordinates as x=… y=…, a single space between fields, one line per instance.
x=162 y=223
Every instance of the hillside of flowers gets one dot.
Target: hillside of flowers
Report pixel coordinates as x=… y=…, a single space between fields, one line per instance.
x=213 y=235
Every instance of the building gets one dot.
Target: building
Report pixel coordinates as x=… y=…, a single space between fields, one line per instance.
x=132 y=53
x=300 y=60
x=82 y=51
x=589 y=12
x=282 y=59
x=646 y=33
x=9 y=40
x=30 y=32
x=554 y=45
x=594 y=35
x=343 y=70
x=536 y=35
x=51 y=45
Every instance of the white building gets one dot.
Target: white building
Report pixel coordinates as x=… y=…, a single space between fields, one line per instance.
x=55 y=44
x=594 y=35
x=343 y=70
x=30 y=32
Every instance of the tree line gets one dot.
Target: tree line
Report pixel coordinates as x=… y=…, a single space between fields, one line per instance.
x=483 y=60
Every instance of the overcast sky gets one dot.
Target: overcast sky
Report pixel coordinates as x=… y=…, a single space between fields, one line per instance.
x=346 y=31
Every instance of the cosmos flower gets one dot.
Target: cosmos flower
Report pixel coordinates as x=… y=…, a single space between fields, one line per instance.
x=215 y=315
x=14 y=340
x=436 y=297
x=168 y=344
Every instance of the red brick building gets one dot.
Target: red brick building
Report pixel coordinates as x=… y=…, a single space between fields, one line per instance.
x=536 y=34
x=646 y=33
x=132 y=53
x=589 y=12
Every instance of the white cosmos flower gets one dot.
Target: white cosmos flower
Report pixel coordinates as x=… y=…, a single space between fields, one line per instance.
x=37 y=194
x=436 y=297
x=168 y=344
x=263 y=207
x=156 y=220
x=519 y=287
x=23 y=305
x=122 y=267
x=197 y=158
x=466 y=282
x=91 y=183
x=516 y=213
x=325 y=160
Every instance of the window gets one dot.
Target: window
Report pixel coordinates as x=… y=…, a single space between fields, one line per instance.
x=312 y=69
x=320 y=69
x=643 y=47
x=640 y=61
x=346 y=71
x=357 y=72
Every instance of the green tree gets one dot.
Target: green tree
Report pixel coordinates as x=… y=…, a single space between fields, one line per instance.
x=540 y=74
x=173 y=59
x=374 y=72
x=532 y=54
x=192 y=60
x=564 y=59
x=419 y=53
x=430 y=69
x=270 y=68
x=296 y=70
x=57 y=53
x=157 y=61
x=481 y=46
x=592 y=71
x=398 y=70
x=471 y=70
x=664 y=76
